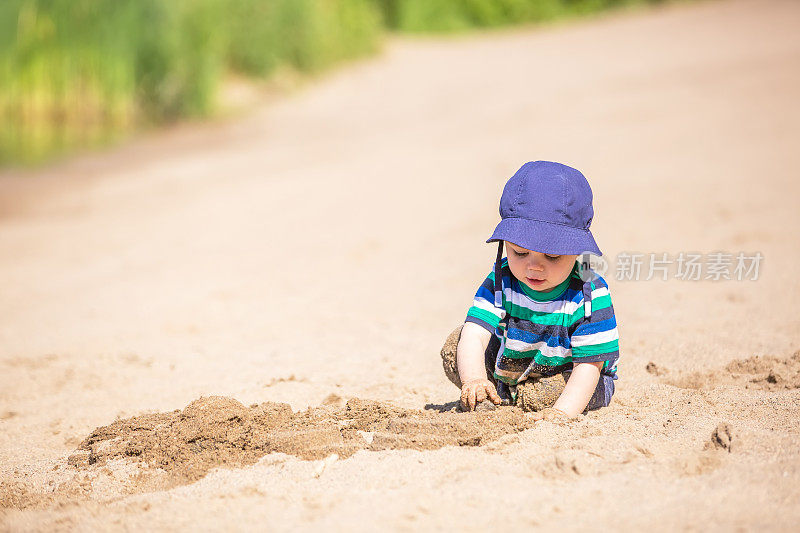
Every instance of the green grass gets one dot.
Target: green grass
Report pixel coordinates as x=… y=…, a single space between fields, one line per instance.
x=76 y=73
x=307 y=34
x=436 y=16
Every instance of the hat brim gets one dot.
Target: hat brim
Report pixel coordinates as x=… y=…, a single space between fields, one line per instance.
x=545 y=237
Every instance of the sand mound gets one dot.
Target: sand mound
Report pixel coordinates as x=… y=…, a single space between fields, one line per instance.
x=218 y=431
x=768 y=372
x=758 y=372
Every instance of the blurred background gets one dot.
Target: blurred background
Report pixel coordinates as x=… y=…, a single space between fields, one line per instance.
x=82 y=73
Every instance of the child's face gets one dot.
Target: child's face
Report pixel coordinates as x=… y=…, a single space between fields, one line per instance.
x=538 y=271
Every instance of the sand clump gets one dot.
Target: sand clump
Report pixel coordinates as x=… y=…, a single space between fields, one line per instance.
x=654 y=369
x=722 y=437
x=218 y=431
x=449 y=359
x=541 y=393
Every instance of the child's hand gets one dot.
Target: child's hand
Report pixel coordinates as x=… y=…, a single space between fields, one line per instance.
x=475 y=391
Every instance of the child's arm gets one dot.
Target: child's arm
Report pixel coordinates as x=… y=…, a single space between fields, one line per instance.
x=475 y=387
x=579 y=389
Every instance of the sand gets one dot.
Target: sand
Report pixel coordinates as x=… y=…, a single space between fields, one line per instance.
x=163 y=450
x=177 y=350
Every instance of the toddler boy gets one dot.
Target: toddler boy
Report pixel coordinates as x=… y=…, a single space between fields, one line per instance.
x=541 y=332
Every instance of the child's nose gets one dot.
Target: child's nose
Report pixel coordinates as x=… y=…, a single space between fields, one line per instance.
x=536 y=263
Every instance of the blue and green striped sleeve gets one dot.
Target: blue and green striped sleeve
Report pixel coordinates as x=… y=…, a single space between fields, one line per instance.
x=595 y=338
x=483 y=311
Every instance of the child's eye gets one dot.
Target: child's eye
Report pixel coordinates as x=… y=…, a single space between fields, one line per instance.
x=520 y=254
x=552 y=257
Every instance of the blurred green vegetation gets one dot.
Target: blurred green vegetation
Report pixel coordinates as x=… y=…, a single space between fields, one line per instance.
x=307 y=34
x=427 y=16
x=78 y=73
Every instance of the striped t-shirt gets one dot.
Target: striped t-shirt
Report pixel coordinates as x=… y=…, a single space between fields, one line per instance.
x=544 y=333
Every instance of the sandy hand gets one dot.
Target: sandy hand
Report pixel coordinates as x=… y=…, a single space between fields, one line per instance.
x=475 y=391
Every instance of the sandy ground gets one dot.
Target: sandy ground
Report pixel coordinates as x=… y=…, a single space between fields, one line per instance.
x=318 y=251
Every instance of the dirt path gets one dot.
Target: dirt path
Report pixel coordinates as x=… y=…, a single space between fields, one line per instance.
x=322 y=248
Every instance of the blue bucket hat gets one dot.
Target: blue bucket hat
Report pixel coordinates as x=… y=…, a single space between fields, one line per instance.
x=546 y=207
